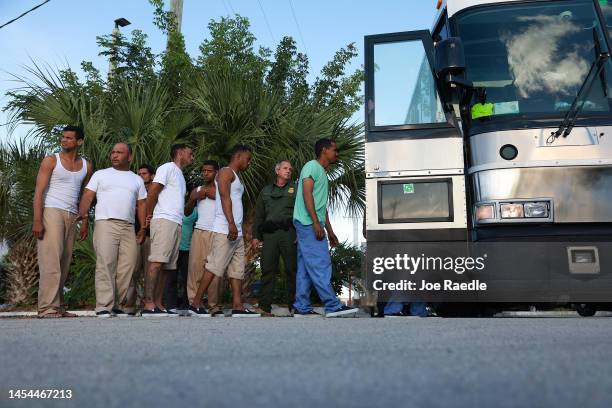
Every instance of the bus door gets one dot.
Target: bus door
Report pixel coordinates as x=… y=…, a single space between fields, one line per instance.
x=415 y=172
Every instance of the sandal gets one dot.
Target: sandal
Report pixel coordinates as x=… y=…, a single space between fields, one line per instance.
x=68 y=314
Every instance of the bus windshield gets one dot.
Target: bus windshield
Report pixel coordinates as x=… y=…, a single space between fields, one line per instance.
x=532 y=58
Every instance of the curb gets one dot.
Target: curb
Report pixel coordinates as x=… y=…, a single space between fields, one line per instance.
x=79 y=313
x=549 y=314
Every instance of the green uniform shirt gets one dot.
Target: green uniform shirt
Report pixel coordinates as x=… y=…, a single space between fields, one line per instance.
x=315 y=171
x=274 y=208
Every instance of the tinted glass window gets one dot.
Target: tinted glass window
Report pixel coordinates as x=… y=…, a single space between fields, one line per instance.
x=532 y=58
x=415 y=201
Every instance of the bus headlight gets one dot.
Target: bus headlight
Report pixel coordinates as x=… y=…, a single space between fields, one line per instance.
x=511 y=210
x=536 y=210
x=485 y=212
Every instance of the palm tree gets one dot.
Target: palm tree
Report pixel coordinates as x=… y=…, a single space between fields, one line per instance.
x=215 y=105
x=18 y=165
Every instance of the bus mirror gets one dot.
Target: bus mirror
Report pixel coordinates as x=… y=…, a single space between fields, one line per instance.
x=450 y=62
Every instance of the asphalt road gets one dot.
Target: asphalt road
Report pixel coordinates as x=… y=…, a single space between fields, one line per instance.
x=316 y=362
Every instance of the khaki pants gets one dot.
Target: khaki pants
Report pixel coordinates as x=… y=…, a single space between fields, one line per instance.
x=136 y=289
x=54 y=257
x=116 y=256
x=201 y=244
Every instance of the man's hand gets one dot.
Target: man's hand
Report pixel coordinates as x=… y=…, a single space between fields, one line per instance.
x=198 y=195
x=319 y=231
x=84 y=229
x=204 y=191
x=233 y=232
x=255 y=243
x=148 y=221
x=81 y=217
x=333 y=239
x=140 y=236
x=38 y=229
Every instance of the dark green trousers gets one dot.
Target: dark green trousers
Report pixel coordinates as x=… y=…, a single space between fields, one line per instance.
x=277 y=244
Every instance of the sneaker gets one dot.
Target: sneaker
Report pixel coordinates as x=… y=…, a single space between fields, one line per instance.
x=199 y=312
x=218 y=313
x=121 y=313
x=157 y=312
x=104 y=313
x=344 y=310
x=244 y=313
x=312 y=313
x=171 y=312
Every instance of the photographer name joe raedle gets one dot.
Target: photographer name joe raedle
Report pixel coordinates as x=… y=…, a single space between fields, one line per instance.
x=423 y=285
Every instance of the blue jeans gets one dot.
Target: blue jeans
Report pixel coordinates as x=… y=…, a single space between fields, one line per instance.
x=314 y=268
x=416 y=308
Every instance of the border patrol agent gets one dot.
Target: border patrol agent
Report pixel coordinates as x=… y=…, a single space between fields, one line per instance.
x=273 y=230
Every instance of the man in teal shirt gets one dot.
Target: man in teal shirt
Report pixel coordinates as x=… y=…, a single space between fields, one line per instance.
x=311 y=220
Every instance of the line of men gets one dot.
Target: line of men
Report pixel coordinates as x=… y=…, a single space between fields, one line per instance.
x=153 y=224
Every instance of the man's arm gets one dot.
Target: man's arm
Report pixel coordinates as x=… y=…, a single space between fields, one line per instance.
x=333 y=239
x=141 y=213
x=86 y=199
x=226 y=176
x=152 y=196
x=87 y=176
x=307 y=188
x=191 y=203
x=42 y=182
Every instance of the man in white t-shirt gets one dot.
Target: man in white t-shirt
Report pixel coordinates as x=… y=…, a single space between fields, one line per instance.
x=119 y=192
x=165 y=205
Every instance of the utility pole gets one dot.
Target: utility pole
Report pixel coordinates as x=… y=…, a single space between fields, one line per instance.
x=120 y=22
x=177 y=9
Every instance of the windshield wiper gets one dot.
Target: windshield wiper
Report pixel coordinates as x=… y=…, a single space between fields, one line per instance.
x=570 y=117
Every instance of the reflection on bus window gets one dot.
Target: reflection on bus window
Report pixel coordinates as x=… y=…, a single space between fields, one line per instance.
x=404 y=89
x=532 y=58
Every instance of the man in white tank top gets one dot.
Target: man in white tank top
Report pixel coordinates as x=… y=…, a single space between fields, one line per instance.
x=227 y=253
x=201 y=242
x=59 y=185
x=121 y=195
x=165 y=207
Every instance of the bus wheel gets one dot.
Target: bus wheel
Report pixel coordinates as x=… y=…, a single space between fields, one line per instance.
x=585 y=310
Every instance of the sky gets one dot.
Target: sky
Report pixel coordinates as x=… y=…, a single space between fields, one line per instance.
x=63 y=33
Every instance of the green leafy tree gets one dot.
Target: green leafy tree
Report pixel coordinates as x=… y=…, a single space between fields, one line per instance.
x=231 y=92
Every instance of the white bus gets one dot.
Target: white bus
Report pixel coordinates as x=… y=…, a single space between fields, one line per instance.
x=491 y=133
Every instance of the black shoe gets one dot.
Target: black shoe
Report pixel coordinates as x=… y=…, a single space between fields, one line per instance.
x=157 y=312
x=199 y=312
x=244 y=313
x=104 y=313
x=312 y=313
x=121 y=313
x=343 y=310
x=171 y=312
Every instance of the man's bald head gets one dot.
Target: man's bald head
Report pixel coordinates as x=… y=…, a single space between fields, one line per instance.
x=121 y=156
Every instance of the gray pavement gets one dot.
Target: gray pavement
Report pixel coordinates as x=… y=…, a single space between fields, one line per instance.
x=309 y=362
